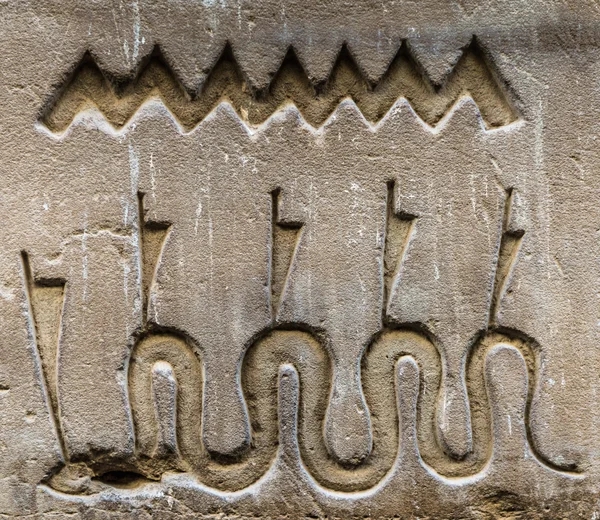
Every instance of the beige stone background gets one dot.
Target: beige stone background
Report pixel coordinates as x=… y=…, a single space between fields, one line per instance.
x=299 y=257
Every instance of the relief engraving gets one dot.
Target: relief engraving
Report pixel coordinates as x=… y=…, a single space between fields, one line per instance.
x=301 y=259
x=46 y=300
x=167 y=382
x=118 y=100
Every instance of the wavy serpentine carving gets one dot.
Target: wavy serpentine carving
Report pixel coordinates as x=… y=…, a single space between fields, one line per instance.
x=166 y=384
x=259 y=382
x=118 y=101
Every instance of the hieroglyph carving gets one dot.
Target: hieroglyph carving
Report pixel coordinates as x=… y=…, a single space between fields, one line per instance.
x=167 y=384
x=201 y=397
x=118 y=100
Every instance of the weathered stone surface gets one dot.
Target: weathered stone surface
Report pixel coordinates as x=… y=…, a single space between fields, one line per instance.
x=299 y=259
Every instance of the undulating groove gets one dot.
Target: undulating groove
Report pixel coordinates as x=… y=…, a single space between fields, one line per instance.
x=86 y=477
x=88 y=87
x=166 y=380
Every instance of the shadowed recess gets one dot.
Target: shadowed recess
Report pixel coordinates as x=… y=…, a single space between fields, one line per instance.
x=118 y=100
x=46 y=300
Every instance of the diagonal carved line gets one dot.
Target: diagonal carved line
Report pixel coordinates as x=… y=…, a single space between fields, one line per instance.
x=510 y=245
x=399 y=231
x=119 y=101
x=46 y=358
x=285 y=241
x=152 y=239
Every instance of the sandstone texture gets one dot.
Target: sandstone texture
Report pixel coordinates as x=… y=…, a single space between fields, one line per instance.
x=299 y=259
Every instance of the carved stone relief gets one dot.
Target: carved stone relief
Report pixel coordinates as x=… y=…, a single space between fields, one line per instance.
x=303 y=261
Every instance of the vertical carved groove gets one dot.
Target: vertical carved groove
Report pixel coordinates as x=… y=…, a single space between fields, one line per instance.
x=164 y=395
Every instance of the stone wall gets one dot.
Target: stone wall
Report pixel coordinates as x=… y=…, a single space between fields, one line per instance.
x=300 y=259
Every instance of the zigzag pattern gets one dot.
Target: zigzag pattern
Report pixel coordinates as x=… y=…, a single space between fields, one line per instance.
x=88 y=87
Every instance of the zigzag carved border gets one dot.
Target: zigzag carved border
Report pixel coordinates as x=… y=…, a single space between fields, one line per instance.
x=118 y=101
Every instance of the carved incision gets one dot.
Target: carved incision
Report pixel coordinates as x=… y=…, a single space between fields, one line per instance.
x=510 y=244
x=285 y=238
x=168 y=427
x=152 y=237
x=394 y=342
x=46 y=299
x=167 y=378
x=118 y=101
x=399 y=231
